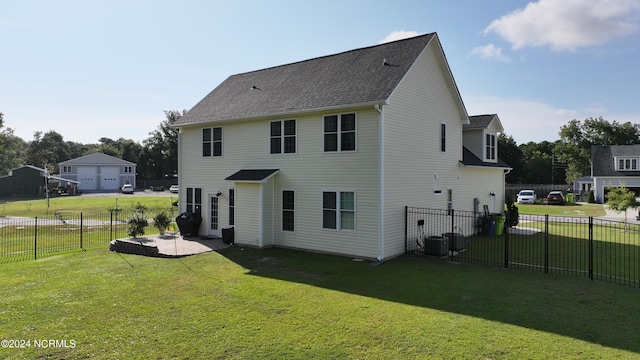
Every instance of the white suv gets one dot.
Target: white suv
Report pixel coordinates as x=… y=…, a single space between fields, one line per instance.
x=526 y=197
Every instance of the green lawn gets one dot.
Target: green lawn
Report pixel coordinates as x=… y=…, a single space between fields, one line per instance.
x=245 y=303
x=32 y=208
x=562 y=210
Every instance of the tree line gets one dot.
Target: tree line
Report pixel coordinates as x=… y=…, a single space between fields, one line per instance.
x=558 y=162
x=156 y=157
x=566 y=159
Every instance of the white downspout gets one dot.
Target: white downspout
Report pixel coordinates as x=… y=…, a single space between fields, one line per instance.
x=380 y=183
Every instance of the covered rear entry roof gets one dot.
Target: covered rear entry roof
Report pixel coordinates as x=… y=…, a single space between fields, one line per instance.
x=258 y=176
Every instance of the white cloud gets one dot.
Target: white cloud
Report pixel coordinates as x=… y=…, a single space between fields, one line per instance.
x=567 y=24
x=490 y=52
x=399 y=35
x=524 y=120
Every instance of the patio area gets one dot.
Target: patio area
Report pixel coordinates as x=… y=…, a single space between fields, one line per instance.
x=168 y=245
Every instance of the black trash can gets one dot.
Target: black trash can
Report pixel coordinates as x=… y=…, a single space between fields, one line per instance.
x=189 y=223
x=228 y=236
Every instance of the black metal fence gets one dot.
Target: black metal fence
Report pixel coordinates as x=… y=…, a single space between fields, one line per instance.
x=599 y=249
x=38 y=237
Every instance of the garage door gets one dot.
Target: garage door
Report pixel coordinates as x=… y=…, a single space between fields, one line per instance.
x=87 y=175
x=110 y=177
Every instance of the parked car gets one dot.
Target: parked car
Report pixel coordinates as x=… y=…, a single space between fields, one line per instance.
x=527 y=197
x=174 y=189
x=127 y=189
x=157 y=188
x=555 y=197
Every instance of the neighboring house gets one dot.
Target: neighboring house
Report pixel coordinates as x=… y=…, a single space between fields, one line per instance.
x=582 y=185
x=99 y=172
x=29 y=180
x=615 y=165
x=325 y=154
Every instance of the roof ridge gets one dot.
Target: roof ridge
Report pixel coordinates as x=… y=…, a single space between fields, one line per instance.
x=333 y=55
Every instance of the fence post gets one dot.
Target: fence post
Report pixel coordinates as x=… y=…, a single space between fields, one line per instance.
x=35 y=239
x=506 y=248
x=111 y=227
x=452 y=235
x=546 y=243
x=81 y=230
x=406 y=229
x=591 y=247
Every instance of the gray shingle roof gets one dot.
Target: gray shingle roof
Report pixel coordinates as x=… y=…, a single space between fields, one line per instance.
x=354 y=77
x=479 y=121
x=254 y=175
x=602 y=159
x=470 y=159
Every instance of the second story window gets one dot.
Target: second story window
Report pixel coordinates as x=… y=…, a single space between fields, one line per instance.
x=443 y=137
x=490 y=146
x=627 y=164
x=128 y=169
x=283 y=137
x=340 y=132
x=66 y=169
x=212 y=141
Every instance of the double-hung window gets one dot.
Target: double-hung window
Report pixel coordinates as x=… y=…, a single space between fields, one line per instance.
x=627 y=164
x=339 y=210
x=490 y=147
x=194 y=200
x=212 y=141
x=340 y=132
x=283 y=137
x=288 y=210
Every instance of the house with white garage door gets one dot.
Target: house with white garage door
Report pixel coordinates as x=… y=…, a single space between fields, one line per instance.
x=99 y=172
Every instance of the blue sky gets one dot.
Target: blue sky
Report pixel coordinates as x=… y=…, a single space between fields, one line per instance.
x=92 y=69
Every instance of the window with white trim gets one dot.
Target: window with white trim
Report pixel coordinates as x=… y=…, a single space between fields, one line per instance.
x=288 y=210
x=339 y=210
x=627 y=164
x=212 y=142
x=128 y=169
x=340 y=132
x=66 y=169
x=490 y=147
x=283 y=137
x=194 y=200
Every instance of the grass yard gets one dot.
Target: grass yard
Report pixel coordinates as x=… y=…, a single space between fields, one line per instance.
x=562 y=210
x=91 y=205
x=245 y=303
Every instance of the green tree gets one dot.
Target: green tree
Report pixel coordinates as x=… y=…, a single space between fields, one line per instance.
x=159 y=158
x=619 y=199
x=11 y=148
x=577 y=138
x=511 y=154
x=537 y=168
x=46 y=150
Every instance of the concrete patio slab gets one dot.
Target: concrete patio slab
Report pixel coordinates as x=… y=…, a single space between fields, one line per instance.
x=168 y=245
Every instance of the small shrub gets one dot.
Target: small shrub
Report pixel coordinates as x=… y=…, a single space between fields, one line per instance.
x=591 y=199
x=161 y=221
x=139 y=207
x=137 y=223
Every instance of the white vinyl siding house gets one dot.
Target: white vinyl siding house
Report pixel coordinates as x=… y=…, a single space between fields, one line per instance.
x=353 y=160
